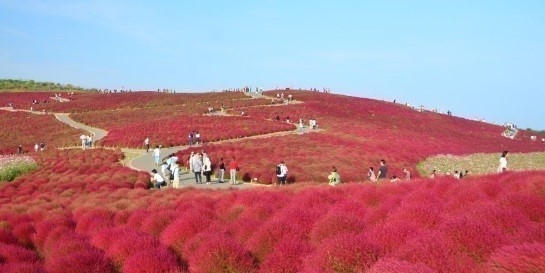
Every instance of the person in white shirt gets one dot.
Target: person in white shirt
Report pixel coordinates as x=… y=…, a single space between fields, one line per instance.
x=196 y=165
x=176 y=175
x=36 y=147
x=164 y=168
x=146 y=142
x=157 y=178
x=189 y=161
x=503 y=162
x=282 y=173
x=206 y=167
x=157 y=155
x=371 y=174
x=83 y=141
x=173 y=160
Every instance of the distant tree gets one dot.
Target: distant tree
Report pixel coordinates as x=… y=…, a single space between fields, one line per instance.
x=32 y=85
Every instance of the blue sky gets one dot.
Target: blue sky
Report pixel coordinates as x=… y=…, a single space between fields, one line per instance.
x=481 y=59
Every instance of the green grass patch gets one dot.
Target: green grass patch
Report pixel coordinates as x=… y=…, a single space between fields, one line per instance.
x=12 y=170
x=481 y=163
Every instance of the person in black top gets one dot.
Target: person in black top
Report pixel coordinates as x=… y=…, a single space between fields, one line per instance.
x=382 y=170
x=221 y=171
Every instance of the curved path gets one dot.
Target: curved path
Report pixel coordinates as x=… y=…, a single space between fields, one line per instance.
x=145 y=162
x=97 y=133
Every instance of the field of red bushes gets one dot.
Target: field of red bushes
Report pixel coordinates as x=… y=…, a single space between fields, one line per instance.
x=83 y=211
x=93 y=101
x=357 y=134
x=21 y=128
x=174 y=132
x=24 y=100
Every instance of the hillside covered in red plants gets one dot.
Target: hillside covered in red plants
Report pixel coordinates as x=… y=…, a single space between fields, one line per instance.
x=83 y=211
x=356 y=134
x=26 y=129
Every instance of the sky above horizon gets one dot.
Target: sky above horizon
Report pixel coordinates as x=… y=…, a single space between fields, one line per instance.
x=480 y=58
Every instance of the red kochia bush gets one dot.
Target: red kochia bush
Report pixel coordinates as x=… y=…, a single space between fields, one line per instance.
x=333 y=225
x=518 y=258
x=6 y=237
x=35 y=267
x=93 y=221
x=188 y=224
x=217 y=252
x=88 y=260
x=152 y=260
x=388 y=265
x=435 y=250
x=287 y=256
x=124 y=246
x=15 y=253
x=344 y=253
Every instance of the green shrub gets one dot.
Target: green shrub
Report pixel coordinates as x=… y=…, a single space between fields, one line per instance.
x=12 y=167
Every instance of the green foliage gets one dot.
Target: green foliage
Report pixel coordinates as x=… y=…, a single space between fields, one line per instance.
x=13 y=171
x=31 y=85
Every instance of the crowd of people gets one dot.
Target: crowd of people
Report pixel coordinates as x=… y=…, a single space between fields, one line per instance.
x=86 y=141
x=199 y=164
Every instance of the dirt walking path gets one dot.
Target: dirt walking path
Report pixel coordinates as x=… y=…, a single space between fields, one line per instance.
x=140 y=160
x=97 y=133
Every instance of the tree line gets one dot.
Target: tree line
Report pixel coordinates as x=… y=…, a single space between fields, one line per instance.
x=32 y=85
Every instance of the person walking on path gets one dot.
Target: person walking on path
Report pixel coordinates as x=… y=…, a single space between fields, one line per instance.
x=382 y=170
x=89 y=141
x=189 y=161
x=233 y=168
x=196 y=166
x=164 y=169
x=157 y=155
x=334 y=177
x=176 y=175
x=207 y=167
x=198 y=138
x=146 y=143
x=36 y=147
x=190 y=138
x=301 y=126
x=20 y=149
x=221 y=171
x=503 y=162
x=282 y=173
x=83 y=141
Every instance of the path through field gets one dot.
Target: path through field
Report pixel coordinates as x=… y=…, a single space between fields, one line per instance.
x=142 y=161
x=97 y=133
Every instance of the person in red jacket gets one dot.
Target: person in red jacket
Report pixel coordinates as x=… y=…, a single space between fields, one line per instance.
x=233 y=168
